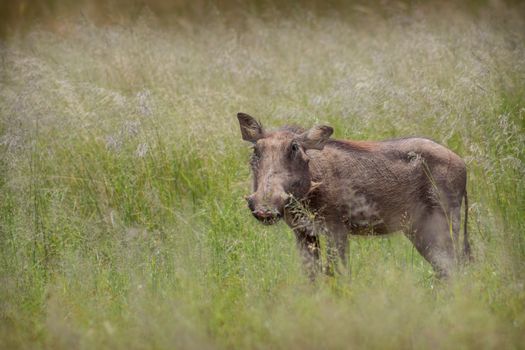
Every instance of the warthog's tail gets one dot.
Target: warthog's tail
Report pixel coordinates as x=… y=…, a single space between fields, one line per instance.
x=466 y=244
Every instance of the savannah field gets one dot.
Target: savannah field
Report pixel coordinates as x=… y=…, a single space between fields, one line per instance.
x=122 y=173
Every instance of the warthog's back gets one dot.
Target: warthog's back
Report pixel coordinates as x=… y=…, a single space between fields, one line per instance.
x=384 y=182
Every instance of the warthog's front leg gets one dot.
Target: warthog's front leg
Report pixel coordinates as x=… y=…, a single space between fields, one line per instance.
x=337 y=241
x=309 y=248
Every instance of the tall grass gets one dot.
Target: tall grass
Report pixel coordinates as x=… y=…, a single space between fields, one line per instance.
x=122 y=175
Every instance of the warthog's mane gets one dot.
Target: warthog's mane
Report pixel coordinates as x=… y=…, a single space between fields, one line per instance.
x=346 y=145
x=362 y=146
x=294 y=129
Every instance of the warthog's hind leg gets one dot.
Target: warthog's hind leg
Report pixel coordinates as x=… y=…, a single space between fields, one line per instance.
x=431 y=235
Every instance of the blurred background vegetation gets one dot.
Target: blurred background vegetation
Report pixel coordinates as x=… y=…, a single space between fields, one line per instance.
x=122 y=171
x=19 y=15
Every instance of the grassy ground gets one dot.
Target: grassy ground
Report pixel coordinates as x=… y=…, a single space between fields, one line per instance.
x=122 y=223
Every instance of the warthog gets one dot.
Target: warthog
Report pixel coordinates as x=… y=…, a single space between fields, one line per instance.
x=321 y=185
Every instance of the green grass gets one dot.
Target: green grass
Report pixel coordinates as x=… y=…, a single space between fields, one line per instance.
x=122 y=219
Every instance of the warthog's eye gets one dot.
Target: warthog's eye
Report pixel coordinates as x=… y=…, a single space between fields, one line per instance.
x=295 y=147
x=296 y=153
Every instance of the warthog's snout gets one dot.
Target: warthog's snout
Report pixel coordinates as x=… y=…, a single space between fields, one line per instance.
x=267 y=214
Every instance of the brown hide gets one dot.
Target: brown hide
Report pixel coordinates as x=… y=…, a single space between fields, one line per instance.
x=320 y=185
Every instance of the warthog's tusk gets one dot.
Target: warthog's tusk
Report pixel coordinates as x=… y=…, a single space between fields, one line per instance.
x=314 y=185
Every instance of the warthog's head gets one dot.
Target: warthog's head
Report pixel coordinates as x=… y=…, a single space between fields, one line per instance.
x=280 y=165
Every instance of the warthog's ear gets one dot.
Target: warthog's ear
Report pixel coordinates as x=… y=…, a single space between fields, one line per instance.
x=316 y=137
x=251 y=130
